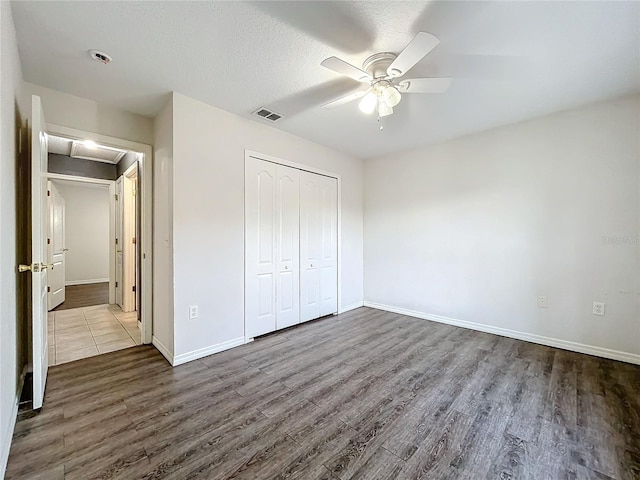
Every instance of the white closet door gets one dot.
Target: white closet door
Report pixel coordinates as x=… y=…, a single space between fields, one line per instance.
x=328 y=193
x=260 y=264
x=288 y=246
x=310 y=246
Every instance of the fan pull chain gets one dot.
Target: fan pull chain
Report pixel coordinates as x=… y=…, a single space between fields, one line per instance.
x=381 y=122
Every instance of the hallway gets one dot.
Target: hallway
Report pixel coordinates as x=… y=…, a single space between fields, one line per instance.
x=84 y=332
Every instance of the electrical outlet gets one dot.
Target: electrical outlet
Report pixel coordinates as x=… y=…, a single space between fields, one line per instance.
x=193 y=312
x=598 y=308
x=542 y=301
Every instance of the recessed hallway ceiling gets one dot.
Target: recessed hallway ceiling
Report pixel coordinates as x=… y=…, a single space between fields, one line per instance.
x=510 y=60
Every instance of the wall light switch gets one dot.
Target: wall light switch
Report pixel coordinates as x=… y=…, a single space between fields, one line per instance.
x=193 y=312
x=542 y=301
x=598 y=308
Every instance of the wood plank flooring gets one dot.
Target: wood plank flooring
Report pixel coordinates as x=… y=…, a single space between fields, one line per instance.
x=77 y=296
x=364 y=395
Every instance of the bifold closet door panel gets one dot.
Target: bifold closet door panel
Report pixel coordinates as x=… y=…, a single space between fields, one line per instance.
x=310 y=250
x=288 y=246
x=260 y=247
x=318 y=246
x=328 y=192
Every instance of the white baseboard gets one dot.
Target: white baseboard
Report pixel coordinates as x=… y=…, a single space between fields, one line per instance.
x=504 y=332
x=162 y=348
x=5 y=447
x=68 y=283
x=204 y=352
x=353 y=306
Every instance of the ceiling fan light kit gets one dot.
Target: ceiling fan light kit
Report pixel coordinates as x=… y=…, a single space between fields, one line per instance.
x=368 y=103
x=382 y=72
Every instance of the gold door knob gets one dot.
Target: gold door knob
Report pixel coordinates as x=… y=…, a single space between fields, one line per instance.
x=24 y=268
x=65 y=249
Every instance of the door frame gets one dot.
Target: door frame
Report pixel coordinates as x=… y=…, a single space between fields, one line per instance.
x=145 y=186
x=112 y=234
x=307 y=168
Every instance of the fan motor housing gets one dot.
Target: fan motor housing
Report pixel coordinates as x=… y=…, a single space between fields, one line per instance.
x=376 y=65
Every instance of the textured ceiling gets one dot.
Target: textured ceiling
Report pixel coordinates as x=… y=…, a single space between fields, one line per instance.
x=511 y=60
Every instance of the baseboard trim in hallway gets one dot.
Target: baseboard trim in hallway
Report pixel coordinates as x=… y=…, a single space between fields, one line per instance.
x=515 y=334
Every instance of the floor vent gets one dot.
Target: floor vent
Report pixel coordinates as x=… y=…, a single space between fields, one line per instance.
x=267 y=114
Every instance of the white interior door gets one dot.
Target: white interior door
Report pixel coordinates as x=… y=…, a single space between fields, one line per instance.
x=328 y=246
x=318 y=246
x=129 y=243
x=310 y=248
x=119 y=240
x=287 y=246
x=260 y=248
x=56 y=246
x=39 y=266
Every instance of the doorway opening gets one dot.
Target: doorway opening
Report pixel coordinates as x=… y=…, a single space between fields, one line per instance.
x=93 y=245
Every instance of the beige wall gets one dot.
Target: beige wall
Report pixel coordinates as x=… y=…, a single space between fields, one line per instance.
x=83 y=114
x=208 y=217
x=86 y=231
x=163 y=321
x=475 y=229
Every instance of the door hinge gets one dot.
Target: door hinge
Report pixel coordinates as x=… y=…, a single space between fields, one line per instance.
x=49 y=240
x=49 y=288
x=116 y=238
x=115 y=196
x=133 y=240
x=48 y=193
x=116 y=284
x=133 y=288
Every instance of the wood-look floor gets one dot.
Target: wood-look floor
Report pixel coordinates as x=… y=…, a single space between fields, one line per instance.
x=364 y=395
x=77 y=296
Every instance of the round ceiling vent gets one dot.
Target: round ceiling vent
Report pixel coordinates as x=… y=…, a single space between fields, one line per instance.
x=100 y=56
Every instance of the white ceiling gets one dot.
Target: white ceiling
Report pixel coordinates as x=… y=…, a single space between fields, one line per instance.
x=511 y=60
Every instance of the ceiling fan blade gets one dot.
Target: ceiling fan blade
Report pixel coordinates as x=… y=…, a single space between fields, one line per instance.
x=344 y=68
x=346 y=99
x=421 y=44
x=425 y=85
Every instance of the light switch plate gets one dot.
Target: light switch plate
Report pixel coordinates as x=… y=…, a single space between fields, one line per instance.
x=193 y=312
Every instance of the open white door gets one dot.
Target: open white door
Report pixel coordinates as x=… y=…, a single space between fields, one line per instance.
x=38 y=266
x=55 y=246
x=129 y=261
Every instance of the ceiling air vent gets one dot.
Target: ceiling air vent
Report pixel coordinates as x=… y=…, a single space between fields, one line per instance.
x=267 y=114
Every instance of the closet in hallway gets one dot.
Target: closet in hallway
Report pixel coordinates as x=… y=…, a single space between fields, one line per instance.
x=291 y=246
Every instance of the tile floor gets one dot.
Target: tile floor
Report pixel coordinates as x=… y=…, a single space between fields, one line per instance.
x=84 y=332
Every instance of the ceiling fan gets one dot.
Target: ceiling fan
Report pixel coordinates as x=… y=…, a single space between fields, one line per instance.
x=383 y=72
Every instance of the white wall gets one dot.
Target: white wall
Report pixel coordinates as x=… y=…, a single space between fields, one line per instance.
x=163 y=232
x=83 y=114
x=208 y=220
x=476 y=228
x=86 y=232
x=10 y=365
